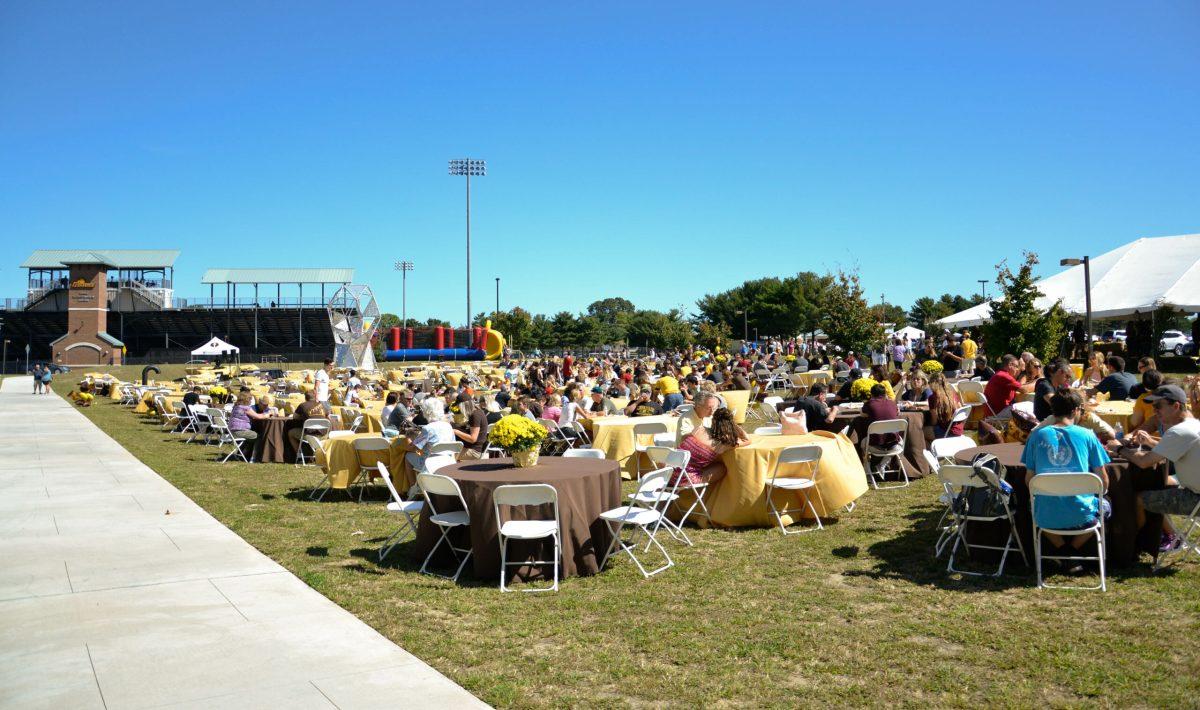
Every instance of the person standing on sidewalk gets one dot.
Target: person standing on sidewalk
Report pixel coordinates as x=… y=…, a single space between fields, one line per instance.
x=37 y=378
x=47 y=377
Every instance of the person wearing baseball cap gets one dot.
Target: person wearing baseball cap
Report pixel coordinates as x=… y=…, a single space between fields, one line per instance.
x=1180 y=445
x=600 y=406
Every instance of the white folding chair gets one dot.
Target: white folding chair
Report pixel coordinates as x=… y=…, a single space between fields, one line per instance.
x=971 y=394
x=810 y=458
x=645 y=520
x=676 y=460
x=521 y=496
x=1186 y=531
x=1045 y=485
x=493 y=450
x=946 y=498
x=651 y=429
x=363 y=478
x=945 y=449
x=356 y=424
x=769 y=430
x=799 y=386
x=583 y=454
x=399 y=506
x=201 y=423
x=963 y=477
x=877 y=458
x=432 y=484
x=312 y=429
x=962 y=414
x=582 y=438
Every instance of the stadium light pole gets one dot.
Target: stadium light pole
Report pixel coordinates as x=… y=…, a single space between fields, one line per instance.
x=1087 y=296
x=404 y=267
x=468 y=167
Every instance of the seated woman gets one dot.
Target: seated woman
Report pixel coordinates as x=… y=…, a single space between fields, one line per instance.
x=1095 y=371
x=436 y=431
x=706 y=444
x=943 y=401
x=240 y=416
x=917 y=388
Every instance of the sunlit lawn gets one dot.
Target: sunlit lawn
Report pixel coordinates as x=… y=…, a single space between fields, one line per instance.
x=859 y=613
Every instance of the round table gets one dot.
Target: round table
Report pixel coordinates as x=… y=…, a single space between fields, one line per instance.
x=586 y=488
x=739 y=499
x=273 y=445
x=614 y=436
x=1123 y=538
x=1115 y=412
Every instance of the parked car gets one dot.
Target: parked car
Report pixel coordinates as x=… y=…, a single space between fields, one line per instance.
x=1174 y=341
x=1113 y=336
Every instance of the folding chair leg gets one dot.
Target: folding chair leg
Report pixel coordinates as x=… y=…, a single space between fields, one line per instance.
x=398 y=537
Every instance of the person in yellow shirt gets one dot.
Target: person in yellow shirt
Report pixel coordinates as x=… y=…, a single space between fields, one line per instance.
x=668 y=387
x=969 y=350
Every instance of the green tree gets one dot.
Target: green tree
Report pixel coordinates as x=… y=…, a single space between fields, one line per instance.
x=848 y=320
x=541 y=333
x=612 y=314
x=564 y=331
x=515 y=325
x=890 y=313
x=383 y=327
x=1017 y=324
x=713 y=336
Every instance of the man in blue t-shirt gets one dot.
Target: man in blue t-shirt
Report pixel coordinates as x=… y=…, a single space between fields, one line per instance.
x=1065 y=447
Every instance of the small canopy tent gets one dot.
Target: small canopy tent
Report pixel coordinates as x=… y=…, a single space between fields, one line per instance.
x=216 y=347
x=1137 y=277
x=911 y=332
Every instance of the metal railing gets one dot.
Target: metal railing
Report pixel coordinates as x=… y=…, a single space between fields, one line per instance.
x=262 y=302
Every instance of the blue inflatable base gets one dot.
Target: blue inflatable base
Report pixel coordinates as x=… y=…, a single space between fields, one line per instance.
x=405 y=354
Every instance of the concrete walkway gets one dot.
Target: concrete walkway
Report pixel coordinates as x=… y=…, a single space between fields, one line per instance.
x=117 y=591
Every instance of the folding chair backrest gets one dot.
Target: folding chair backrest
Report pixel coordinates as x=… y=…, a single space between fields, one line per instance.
x=958 y=476
x=583 y=454
x=658 y=454
x=525 y=494
x=315 y=444
x=800 y=454
x=888 y=426
x=648 y=428
x=678 y=459
x=970 y=391
x=317 y=425
x=948 y=447
x=1066 y=484
x=772 y=401
x=549 y=424
x=961 y=414
x=434 y=485
x=217 y=417
x=371 y=443
x=654 y=481
x=437 y=462
x=446 y=447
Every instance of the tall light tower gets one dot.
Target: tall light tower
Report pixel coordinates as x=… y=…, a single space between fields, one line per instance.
x=497 y=294
x=404 y=267
x=468 y=167
x=983 y=288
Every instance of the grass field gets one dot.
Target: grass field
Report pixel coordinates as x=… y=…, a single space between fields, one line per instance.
x=857 y=614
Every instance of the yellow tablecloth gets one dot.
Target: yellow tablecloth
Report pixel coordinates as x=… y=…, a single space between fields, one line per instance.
x=371 y=413
x=343 y=461
x=1115 y=412
x=808 y=378
x=614 y=436
x=739 y=499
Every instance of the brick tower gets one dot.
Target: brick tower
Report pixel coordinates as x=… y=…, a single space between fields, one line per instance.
x=87 y=341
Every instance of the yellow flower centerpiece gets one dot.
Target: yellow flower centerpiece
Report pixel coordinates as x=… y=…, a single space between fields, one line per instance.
x=860 y=389
x=521 y=437
x=219 y=394
x=790 y=358
x=932 y=367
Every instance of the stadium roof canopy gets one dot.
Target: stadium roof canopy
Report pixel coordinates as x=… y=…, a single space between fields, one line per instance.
x=278 y=276
x=116 y=258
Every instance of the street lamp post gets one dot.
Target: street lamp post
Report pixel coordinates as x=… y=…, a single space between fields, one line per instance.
x=404 y=267
x=468 y=167
x=983 y=288
x=497 y=295
x=745 y=325
x=1087 y=296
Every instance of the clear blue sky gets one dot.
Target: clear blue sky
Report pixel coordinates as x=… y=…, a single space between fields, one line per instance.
x=648 y=150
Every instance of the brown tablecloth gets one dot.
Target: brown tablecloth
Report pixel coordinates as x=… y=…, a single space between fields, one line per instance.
x=586 y=488
x=273 y=445
x=913 y=460
x=1123 y=536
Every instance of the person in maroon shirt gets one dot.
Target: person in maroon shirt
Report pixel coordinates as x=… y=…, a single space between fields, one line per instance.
x=880 y=407
x=1002 y=389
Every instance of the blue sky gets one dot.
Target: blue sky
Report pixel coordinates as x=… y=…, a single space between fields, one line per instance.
x=655 y=151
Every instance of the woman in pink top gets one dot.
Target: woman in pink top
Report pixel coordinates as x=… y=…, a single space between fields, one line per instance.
x=706 y=444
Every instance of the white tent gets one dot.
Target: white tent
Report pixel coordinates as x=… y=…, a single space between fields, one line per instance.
x=911 y=332
x=215 y=347
x=1135 y=278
